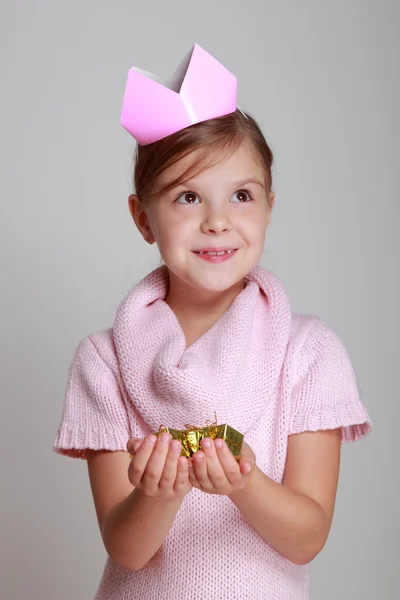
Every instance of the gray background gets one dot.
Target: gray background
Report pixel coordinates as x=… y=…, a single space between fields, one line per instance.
x=322 y=78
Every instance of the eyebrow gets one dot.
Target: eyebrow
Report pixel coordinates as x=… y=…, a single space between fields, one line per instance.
x=250 y=180
x=236 y=184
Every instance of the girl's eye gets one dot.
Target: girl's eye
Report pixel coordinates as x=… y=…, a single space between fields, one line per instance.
x=242 y=196
x=187 y=198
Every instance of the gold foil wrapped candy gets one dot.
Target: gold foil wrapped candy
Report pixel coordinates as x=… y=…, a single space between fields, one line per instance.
x=191 y=436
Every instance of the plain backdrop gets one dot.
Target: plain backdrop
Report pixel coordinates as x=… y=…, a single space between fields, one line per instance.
x=322 y=78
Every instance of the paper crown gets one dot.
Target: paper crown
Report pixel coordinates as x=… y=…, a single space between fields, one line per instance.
x=200 y=89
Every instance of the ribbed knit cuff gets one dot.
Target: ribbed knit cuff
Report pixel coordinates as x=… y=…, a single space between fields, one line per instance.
x=354 y=421
x=74 y=442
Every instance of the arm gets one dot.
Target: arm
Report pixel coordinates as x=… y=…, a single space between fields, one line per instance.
x=295 y=516
x=134 y=520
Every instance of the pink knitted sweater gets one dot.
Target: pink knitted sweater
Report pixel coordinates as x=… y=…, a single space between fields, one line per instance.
x=265 y=371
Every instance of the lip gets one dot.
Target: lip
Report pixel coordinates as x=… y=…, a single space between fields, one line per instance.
x=214 y=249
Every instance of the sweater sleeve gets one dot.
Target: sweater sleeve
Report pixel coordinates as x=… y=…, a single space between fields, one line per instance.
x=325 y=395
x=94 y=414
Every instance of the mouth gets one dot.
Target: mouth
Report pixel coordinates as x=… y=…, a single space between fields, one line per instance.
x=216 y=256
x=212 y=252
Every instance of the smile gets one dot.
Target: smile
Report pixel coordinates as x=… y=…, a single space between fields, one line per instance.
x=215 y=253
x=215 y=257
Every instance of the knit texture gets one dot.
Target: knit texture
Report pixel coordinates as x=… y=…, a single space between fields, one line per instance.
x=265 y=371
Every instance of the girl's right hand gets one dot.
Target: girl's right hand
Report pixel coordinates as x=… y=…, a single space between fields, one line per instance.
x=157 y=468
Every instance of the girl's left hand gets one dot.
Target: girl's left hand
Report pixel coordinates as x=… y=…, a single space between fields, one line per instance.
x=214 y=470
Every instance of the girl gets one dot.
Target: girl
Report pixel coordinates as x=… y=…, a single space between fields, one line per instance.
x=210 y=331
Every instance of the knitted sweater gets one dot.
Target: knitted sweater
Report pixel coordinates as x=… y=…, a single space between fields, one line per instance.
x=265 y=371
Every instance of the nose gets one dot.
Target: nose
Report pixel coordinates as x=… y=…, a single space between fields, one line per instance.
x=216 y=221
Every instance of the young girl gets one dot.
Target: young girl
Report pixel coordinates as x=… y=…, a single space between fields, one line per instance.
x=210 y=331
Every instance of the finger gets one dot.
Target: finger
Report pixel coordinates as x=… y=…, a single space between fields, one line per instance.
x=192 y=475
x=134 y=444
x=215 y=470
x=138 y=464
x=247 y=459
x=155 y=465
x=168 y=476
x=200 y=470
x=247 y=452
x=245 y=466
x=228 y=461
x=182 y=475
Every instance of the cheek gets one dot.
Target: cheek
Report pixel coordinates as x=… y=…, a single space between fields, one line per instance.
x=175 y=237
x=173 y=228
x=161 y=223
x=253 y=226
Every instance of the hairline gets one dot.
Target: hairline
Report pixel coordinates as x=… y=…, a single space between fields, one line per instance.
x=228 y=149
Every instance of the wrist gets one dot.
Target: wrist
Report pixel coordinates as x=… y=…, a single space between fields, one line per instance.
x=238 y=495
x=139 y=495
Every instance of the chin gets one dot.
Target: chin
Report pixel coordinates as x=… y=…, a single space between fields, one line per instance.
x=212 y=278
x=215 y=280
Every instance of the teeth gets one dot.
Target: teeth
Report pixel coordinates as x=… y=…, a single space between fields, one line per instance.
x=217 y=253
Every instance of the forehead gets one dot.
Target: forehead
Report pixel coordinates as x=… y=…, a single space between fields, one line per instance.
x=202 y=164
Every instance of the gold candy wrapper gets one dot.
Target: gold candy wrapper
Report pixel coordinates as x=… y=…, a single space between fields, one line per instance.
x=191 y=437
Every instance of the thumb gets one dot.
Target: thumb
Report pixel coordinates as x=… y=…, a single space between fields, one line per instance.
x=134 y=444
x=245 y=466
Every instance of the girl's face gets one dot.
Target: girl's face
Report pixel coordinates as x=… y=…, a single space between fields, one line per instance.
x=224 y=208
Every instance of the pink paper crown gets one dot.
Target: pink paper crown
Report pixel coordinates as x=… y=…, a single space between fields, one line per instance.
x=200 y=89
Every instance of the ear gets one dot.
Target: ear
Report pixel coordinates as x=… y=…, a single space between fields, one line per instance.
x=271 y=199
x=139 y=215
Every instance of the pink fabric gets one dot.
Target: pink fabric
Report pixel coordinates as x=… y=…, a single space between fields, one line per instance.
x=265 y=371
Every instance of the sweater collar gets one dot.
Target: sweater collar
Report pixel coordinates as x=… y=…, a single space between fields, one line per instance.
x=232 y=369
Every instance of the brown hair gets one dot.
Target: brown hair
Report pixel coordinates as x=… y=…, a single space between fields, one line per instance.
x=214 y=138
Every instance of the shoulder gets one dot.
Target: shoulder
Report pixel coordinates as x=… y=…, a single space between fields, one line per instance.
x=97 y=352
x=315 y=346
x=306 y=325
x=305 y=330
x=105 y=346
x=301 y=326
x=310 y=331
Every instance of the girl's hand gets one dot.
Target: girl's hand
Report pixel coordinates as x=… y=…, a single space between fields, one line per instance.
x=214 y=470
x=157 y=468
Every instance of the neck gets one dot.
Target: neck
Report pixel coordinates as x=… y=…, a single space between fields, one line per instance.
x=199 y=308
